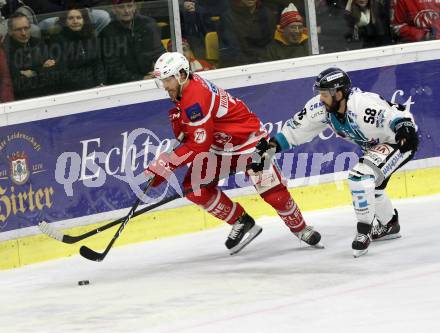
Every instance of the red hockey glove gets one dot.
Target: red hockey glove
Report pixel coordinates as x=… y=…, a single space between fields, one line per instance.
x=161 y=168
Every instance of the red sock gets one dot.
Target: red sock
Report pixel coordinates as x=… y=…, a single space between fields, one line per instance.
x=215 y=202
x=279 y=198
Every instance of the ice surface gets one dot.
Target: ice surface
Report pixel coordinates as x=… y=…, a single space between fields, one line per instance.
x=191 y=284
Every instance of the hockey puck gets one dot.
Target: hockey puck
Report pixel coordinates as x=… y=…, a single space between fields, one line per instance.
x=83 y=282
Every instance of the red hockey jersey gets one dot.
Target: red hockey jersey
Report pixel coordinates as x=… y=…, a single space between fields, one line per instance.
x=411 y=20
x=212 y=120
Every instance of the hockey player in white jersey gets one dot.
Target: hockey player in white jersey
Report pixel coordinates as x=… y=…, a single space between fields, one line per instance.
x=386 y=133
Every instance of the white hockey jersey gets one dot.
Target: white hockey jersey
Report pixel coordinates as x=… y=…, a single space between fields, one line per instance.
x=368 y=121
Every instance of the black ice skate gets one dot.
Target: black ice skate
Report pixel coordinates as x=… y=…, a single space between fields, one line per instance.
x=310 y=236
x=362 y=240
x=388 y=231
x=244 y=226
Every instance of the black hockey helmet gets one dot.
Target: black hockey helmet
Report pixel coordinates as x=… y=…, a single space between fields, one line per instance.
x=333 y=79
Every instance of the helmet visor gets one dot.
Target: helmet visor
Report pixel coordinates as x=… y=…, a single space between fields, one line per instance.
x=159 y=83
x=324 y=91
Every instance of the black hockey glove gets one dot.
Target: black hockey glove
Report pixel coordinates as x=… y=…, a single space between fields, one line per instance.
x=264 y=152
x=406 y=135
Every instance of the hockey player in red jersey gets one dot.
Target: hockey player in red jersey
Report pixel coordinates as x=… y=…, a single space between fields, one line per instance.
x=416 y=20
x=219 y=135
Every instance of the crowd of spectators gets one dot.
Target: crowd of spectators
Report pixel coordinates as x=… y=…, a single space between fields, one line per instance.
x=56 y=46
x=51 y=47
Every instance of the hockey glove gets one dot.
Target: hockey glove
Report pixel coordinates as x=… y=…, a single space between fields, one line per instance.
x=406 y=135
x=264 y=152
x=161 y=168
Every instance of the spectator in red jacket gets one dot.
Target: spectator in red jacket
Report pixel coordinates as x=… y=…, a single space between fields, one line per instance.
x=416 y=20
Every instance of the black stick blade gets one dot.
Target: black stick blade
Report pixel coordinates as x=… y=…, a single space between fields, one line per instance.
x=90 y=254
x=71 y=239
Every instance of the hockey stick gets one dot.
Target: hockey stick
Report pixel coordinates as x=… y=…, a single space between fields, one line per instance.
x=90 y=254
x=49 y=230
x=52 y=232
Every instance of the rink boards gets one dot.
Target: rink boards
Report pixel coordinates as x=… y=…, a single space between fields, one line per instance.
x=66 y=158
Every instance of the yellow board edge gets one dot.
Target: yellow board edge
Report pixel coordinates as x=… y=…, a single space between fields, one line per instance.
x=38 y=248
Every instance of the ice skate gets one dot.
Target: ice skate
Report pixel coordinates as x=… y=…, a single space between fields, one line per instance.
x=244 y=230
x=389 y=231
x=362 y=240
x=310 y=236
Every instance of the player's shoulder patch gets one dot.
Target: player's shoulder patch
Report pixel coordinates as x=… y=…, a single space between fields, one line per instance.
x=314 y=110
x=313 y=104
x=194 y=112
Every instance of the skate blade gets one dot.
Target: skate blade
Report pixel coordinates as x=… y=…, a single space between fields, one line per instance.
x=319 y=245
x=388 y=237
x=251 y=235
x=358 y=253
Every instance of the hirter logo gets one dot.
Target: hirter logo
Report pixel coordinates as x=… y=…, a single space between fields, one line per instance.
x=19 y=168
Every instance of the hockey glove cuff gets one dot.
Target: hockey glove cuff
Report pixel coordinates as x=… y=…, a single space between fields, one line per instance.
x=264 y=152
x=406 y=135
x=161 y=168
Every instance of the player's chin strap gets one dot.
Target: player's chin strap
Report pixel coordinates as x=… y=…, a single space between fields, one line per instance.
x=181 y=83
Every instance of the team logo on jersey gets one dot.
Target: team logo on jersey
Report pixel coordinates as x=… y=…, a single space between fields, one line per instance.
x=194 y=112
x=222 y=138
x=424 y=18
x=380 y=119
x=174 y=115
x=200 y=135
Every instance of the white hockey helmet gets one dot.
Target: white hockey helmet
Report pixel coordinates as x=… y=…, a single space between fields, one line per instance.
x=170 y=64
